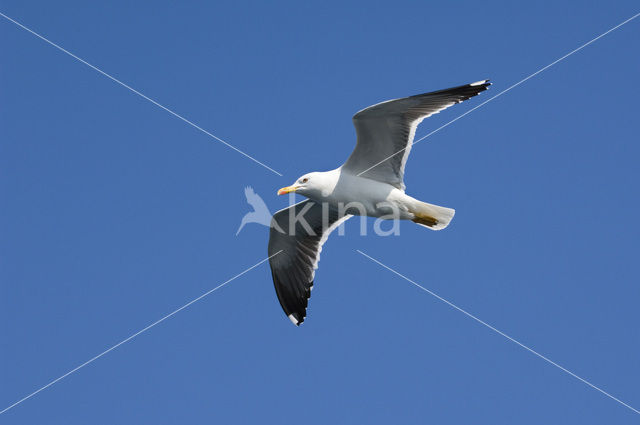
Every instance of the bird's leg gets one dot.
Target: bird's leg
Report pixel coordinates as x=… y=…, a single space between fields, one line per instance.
x=424 y=219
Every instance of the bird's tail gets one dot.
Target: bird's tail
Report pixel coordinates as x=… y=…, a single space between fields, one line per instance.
x=432 y=216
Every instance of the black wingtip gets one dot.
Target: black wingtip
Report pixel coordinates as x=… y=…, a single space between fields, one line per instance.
x=482 y=83
x=294 y=319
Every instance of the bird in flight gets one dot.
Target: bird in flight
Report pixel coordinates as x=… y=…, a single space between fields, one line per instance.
x=369 y=183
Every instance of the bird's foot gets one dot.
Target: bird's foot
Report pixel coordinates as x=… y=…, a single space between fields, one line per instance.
x=425 y=220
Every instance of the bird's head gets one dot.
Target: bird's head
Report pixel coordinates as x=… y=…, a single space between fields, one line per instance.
x=306 y=185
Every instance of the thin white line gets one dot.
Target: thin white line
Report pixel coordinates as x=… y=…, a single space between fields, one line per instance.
x=136 y=334
x=506 y=90
x=139 y=94
x=499 y=332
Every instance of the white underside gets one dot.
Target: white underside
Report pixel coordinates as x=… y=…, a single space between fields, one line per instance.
x=356 y=195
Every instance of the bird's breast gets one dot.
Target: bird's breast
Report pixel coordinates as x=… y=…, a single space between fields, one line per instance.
x=360 y=196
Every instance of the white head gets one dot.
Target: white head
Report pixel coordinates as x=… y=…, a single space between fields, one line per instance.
x=312 y=185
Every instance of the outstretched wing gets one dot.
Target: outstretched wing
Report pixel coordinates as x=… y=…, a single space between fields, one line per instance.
x=386 y=131
x=297 y=250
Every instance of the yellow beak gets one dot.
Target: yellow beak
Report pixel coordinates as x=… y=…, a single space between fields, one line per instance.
x=287 y=190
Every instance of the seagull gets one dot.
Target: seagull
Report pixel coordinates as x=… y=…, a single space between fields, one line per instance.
x=370 y=182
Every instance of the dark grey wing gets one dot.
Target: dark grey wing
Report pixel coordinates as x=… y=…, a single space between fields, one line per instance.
x=385 y=131
x=294 y=253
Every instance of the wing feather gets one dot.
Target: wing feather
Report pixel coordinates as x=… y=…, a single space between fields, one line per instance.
x=386 y=131
x=293 y=269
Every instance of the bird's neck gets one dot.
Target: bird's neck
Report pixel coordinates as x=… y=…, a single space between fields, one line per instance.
x=327 y=183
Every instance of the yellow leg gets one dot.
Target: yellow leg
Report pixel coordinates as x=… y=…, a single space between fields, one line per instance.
x=424 y=219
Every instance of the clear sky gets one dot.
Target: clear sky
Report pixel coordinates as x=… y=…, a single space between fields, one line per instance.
x=115 y=213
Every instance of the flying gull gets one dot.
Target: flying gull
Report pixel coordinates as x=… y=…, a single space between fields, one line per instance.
x=369 y=183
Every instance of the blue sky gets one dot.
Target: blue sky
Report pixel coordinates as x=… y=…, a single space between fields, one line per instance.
x=114 y=213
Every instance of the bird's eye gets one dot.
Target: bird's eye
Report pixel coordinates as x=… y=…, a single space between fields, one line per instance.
x=304 y=180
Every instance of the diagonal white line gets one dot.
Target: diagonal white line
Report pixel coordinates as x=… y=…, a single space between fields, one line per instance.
x=507 y=89
x=500 y=332
x=175 y=114
x=129 y=338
